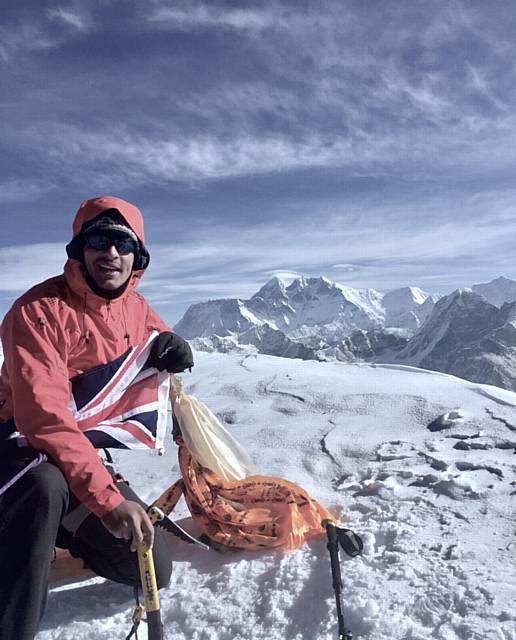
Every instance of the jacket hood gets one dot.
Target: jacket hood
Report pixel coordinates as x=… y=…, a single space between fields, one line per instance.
x=90 y=209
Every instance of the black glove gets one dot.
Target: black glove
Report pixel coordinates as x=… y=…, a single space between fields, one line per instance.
x=169 y=351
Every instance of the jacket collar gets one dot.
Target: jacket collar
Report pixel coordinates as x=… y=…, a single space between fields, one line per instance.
x=75 y=279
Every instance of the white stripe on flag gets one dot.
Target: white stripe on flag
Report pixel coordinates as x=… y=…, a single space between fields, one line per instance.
x=122 y=436
x=122 y=385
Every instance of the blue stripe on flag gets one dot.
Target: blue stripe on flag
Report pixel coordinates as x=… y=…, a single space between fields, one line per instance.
x=102 y=440
x=87 y=385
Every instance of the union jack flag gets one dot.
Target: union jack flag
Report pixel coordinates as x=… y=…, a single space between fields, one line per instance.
x=123 y=404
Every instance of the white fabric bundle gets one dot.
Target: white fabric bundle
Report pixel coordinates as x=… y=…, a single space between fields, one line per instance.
x=206 y=439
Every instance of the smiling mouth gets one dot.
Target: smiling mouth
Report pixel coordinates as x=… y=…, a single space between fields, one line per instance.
x=108 y=268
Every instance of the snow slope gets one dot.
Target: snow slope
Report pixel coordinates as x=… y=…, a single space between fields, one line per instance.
x=421 y=464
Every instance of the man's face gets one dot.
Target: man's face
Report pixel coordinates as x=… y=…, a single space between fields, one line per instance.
x=107 y=267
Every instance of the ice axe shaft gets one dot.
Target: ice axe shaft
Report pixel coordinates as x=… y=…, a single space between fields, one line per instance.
x=149 y=583
x=150 y=592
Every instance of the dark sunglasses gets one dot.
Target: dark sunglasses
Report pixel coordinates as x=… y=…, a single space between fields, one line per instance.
x=101 y=240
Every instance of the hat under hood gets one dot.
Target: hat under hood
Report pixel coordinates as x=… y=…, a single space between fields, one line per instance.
x=107 y=213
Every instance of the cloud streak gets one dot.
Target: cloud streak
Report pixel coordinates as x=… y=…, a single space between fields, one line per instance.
x=71 y=18
x=376 y=146
x=16 y=190
x=380 y=249
x=193 y=16
x=22 y=266
x=135 y=159
x=335 y=89
x=455 y=243
x=28 y=37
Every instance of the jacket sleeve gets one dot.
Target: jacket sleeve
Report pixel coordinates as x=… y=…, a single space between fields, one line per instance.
x=35 y=352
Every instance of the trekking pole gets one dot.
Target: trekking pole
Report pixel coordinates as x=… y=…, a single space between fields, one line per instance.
x=352 y=545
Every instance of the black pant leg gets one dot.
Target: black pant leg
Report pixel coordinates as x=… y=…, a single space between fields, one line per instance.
x=30 y=513
x=112 y=557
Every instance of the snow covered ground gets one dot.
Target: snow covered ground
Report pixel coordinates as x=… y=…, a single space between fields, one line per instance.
x=420 y=464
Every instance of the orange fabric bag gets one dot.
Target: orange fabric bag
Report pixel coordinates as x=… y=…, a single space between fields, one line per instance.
x=253 y=512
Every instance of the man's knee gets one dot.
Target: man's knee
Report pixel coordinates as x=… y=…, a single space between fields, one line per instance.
x=161 y=551
x=47 y=487
x=42 y=489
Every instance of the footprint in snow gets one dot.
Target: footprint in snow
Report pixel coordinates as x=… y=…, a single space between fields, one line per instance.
x=396 y=450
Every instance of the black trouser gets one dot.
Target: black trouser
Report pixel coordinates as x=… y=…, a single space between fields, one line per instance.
x=30 y=515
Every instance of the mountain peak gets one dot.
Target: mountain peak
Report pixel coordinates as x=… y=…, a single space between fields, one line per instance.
x=407 y=307
x=462 y=297
x=271 y=288
x=498 y=291
x=304 y=282
x=404 y=296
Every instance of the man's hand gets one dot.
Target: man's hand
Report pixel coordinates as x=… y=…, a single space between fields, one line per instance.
x=130 y=522
x=171 y=352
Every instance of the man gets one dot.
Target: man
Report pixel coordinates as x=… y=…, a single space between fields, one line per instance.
x=65 y=330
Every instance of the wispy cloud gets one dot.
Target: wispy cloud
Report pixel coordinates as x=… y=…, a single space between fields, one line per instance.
x=371 y=94
x=193 y=16
x=20 y=190
x=130 y=158
x=27 y=37
x=23 y=266
x=381 y=250
x=71 y=17
x=243 y=102
x=44 y=30
x=453 y=242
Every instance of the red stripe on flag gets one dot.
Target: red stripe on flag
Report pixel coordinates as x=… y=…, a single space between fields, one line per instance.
x=136 y=431
x=138 y=394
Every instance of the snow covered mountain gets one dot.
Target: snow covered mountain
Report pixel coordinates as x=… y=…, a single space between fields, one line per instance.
x=217 y=317
x=468 y=333
x=311 y=317
x=498 y=291
x=307 y=307
x=420 y=464
x=468 y=337
x=407 y=308
x=317 y=306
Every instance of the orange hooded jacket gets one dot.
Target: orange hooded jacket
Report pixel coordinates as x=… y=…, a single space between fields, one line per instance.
x=58 y=329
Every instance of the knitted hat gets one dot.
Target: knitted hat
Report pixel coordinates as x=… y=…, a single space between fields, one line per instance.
x=108 y=220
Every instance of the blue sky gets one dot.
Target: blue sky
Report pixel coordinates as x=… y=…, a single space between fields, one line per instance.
x=370 y=142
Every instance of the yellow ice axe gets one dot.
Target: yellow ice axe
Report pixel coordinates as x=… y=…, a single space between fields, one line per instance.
x=149 y=583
